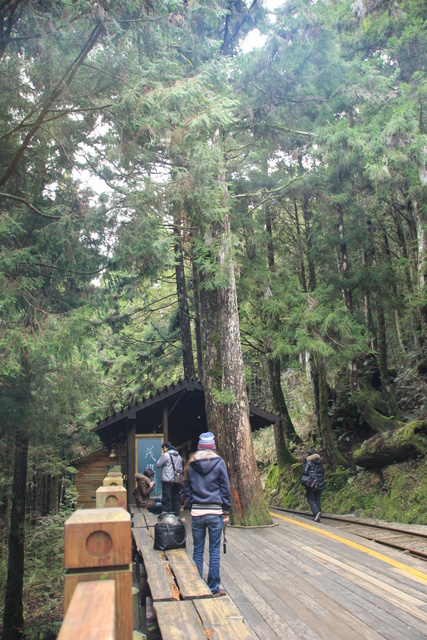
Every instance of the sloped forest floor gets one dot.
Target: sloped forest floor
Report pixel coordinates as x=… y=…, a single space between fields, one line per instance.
x=394 y=493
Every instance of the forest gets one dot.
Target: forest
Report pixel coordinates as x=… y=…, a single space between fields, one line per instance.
x=228 y=190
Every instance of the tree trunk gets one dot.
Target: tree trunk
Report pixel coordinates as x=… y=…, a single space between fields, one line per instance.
x=344 y=269
x=367 y=305
x=386 y=393
x=227 y=406
x=284 y=429
x=198 y=332
x=405 y=443
x=395 y=294
x=274 y=369
x=422 y=264
x=407 y=272
x=183 y=314
x=332 y=454
x=300 y=246
x=343 y=263
x=311 y=267
x=13 y=618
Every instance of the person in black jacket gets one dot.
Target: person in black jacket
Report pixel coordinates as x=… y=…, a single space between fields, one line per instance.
x=207 y=489
x=313 y=479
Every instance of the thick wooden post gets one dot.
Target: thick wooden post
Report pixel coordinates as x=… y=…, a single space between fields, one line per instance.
x=131 y=459
x=165 y=423
x=97 y=546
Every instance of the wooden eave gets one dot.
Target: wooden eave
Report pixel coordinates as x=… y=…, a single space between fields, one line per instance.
x=184 y=402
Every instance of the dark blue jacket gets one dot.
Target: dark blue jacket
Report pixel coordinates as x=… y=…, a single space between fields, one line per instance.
x=207 y=485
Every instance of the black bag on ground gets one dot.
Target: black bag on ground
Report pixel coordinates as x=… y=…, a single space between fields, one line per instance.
x=169 y=533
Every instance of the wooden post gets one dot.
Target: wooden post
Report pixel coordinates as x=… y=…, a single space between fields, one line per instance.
x=112 y=496
x=131 y=459
x=91 y=613
x=112 y=493
x=165 y=423
x=97 y=546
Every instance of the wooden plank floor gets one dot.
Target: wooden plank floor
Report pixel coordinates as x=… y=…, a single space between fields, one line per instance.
x=305 y=580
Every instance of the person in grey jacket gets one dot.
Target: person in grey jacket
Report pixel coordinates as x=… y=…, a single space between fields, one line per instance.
x=169 y=462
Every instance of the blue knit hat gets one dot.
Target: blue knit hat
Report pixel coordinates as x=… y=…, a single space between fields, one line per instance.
x=206 y=441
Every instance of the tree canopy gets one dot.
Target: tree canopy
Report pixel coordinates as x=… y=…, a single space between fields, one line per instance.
x=176 y=203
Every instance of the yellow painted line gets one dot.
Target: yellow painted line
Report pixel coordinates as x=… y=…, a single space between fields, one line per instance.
x=394 y=563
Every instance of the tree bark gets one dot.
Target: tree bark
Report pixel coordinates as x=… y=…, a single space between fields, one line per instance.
x=227 y=406
x=284 y=430
x=407 y=272
x=386 y=393
x=344 y=264
x=422 y=264
x=197 y=323
x=344 y=269
x=395 y=294
x=309 y=243
x=405 y=443
x=300 y=245
x=183 y=313
x=332 y=454
x=13 y=617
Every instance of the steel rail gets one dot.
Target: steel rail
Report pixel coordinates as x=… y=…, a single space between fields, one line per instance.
x=362 y=523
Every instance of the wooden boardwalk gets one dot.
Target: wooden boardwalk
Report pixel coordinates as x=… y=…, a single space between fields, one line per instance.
x=302 y=580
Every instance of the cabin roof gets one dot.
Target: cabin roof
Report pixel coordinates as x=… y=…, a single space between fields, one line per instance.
x=185 y=405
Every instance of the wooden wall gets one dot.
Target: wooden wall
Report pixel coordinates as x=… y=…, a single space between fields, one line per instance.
x=91 y=471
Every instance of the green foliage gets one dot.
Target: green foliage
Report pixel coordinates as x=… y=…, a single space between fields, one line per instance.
x=226 y=396
x=327 y=116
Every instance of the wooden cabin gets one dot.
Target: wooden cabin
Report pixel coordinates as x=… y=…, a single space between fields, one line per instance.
x=133 y=437
x=91 y=471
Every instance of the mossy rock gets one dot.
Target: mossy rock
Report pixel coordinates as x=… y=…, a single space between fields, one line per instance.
x=405 y=443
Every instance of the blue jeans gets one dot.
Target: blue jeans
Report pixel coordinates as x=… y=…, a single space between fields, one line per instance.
x=199 y=525
x=158 y=508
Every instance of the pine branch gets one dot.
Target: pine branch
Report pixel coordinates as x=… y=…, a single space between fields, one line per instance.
x=288 y=130
x=59 y=114
x=29 y=205
x=228 y=40
x=111 y=75
x=65 y=82
x=269 y=192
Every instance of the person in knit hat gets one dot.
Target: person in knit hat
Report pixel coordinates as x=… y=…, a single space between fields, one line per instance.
x=207 y=490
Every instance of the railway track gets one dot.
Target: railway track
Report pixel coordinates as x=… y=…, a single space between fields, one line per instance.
x=408 y=540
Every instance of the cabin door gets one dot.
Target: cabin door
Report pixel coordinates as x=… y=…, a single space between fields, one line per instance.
x=148 y=451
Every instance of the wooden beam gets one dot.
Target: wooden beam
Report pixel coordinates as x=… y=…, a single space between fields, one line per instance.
x=165 y=423
x=131 y=460
x=92 y=612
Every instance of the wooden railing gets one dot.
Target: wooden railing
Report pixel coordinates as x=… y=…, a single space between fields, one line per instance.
x=98 y=562
x=91 y=613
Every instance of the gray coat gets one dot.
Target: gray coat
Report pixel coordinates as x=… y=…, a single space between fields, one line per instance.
x=165 y=464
